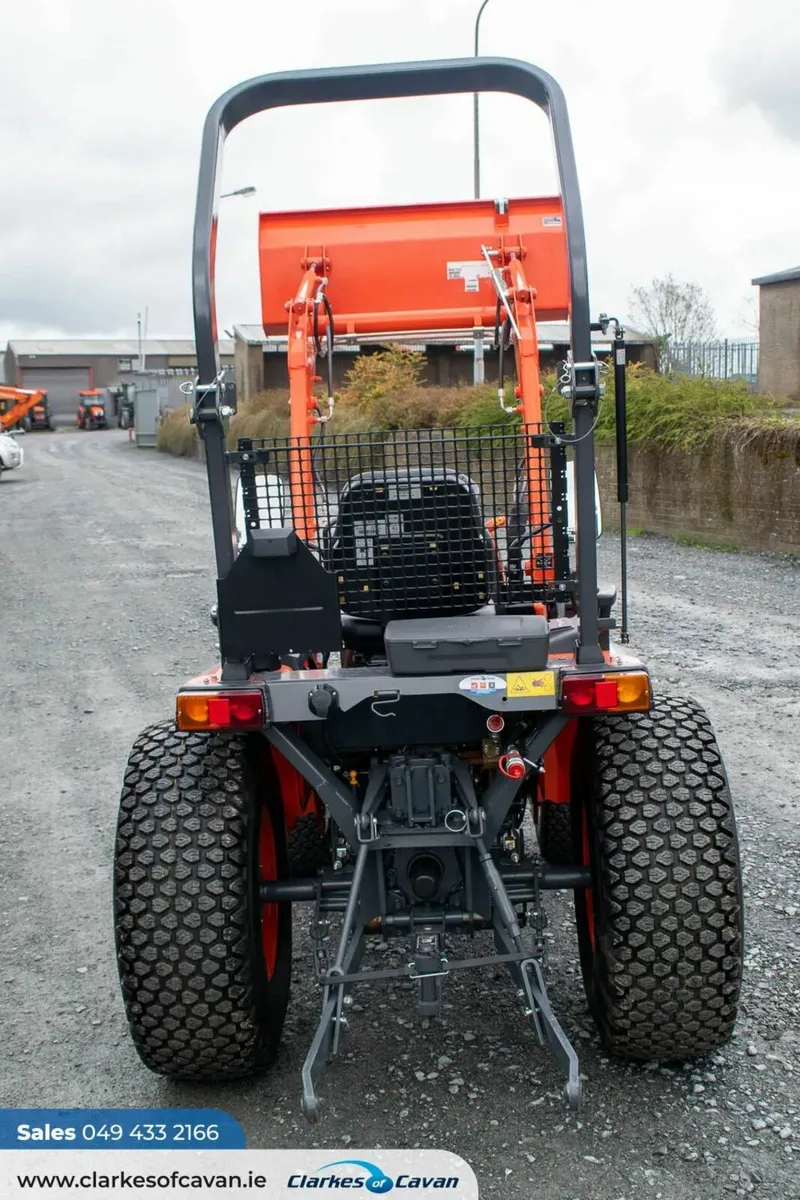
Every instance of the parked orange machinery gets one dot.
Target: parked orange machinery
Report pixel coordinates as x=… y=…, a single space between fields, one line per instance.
x=16 y=403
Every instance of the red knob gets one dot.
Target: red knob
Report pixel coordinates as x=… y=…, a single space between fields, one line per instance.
x=512 y=765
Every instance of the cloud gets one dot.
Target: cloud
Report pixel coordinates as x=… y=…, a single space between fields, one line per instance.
x=101 y=108
x=756 y=62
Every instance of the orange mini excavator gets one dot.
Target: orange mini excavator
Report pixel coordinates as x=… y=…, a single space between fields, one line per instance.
x=15 y=404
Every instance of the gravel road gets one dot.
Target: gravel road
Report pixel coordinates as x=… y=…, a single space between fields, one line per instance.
x=106 y=577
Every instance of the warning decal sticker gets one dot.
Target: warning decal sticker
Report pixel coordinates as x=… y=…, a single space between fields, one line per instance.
x=483 y=685
x=531 y=683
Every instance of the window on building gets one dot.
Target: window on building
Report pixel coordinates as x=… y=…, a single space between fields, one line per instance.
x=124 y=364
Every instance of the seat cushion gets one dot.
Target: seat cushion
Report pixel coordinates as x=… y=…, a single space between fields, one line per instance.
x=480 y=642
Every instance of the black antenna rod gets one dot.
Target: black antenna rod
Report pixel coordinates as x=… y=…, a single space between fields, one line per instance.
x=621 y=424
x=621 y=413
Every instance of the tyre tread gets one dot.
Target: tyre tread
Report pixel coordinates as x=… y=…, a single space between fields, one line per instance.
x=184 y=908
x=671 y=932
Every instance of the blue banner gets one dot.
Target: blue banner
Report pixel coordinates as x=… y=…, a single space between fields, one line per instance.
x=119 y=1129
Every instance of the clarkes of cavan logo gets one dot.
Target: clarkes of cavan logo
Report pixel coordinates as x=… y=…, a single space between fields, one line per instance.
x=369 y=1177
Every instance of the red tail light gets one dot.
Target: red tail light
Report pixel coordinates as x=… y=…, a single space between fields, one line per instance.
x=220 y=710
x=623 y=691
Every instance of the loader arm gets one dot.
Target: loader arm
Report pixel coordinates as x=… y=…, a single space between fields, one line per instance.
x=15 y=403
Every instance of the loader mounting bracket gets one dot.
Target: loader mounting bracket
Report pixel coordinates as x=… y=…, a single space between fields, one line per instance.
x=585 y=383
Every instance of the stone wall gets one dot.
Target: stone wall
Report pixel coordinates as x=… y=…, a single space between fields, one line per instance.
x=747 y=496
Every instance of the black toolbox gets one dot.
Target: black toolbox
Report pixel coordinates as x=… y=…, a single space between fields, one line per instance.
x=480 y=642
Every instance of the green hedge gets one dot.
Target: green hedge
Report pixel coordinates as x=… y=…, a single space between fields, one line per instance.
x=384 y=391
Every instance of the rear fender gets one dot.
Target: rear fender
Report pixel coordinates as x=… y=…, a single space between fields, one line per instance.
x=297 y=798
x=556 y=783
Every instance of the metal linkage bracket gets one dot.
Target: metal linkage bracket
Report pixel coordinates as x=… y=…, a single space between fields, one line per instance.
x=584 y=385
x=429 y=963
x=237 y=458
x=530 y=976
x=428 y=968
x=548 y=1030
x=327 y=1038
x=213 y=401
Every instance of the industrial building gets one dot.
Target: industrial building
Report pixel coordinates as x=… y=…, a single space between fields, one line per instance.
x=66 y=367
x=450 y=359
x=779 y=333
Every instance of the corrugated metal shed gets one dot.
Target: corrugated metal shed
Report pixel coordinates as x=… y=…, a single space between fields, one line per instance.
x=122 y=347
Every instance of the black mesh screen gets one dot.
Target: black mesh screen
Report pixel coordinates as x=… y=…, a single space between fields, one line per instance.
x=418 y=522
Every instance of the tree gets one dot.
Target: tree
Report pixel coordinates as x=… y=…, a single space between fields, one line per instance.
x=669 y=311
x=749 y=317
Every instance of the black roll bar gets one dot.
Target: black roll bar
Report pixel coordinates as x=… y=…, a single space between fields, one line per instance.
x=391 y=81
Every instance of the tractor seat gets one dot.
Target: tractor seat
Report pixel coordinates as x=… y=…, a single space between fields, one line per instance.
x=408 y=543
x=362 y=635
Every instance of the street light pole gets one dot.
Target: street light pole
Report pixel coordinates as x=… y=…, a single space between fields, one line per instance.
x=476 y=112
x=243 y=191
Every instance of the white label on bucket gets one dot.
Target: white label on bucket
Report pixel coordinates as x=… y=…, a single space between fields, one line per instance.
x=479 y=269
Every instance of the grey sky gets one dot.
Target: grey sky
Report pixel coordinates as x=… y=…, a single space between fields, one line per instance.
x=685 y=119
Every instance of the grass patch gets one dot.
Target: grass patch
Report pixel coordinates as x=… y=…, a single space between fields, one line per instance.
x=701 y=541
x=175 y=434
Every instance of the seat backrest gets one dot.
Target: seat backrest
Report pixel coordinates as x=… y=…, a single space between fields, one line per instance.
x=410 y=543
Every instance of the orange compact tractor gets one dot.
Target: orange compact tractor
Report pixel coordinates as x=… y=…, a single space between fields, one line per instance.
x=40 y=416
x=416 y=658
x=92 y=410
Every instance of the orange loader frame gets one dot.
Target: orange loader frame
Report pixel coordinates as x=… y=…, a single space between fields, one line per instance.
x=400 y=270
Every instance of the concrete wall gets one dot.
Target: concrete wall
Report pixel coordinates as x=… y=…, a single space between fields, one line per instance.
x=747 y=496
x=779 y=335
x=249 y=369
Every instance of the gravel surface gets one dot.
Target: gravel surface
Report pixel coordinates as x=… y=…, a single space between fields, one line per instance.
x=106 y=577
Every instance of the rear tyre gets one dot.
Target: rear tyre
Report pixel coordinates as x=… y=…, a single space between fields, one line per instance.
x=660 y=932
x=554 y=833
x=204 y=965
x=307 y=847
